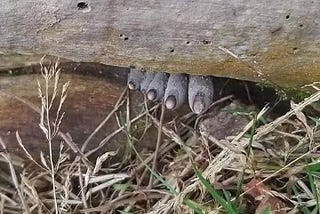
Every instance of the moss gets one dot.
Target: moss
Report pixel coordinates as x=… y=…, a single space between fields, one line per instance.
x=138 y=127
x=296 y=94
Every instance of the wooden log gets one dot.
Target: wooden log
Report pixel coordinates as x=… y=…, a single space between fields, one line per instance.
x=274 y=41
x=90 y=100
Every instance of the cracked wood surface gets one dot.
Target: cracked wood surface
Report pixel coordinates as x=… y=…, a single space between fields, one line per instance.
x=274 y=41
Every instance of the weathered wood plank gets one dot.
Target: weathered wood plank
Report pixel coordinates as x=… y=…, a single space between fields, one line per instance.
x=90 y=99
x=274 y=40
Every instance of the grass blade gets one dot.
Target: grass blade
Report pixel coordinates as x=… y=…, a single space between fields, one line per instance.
x=311 y=179
x=193 y=205
x=225 y=204
x=241 y=180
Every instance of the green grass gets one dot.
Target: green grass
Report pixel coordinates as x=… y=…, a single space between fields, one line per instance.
x=248 y=152
x=190 y=203
x=130 y=142
x=267 y=210
x=313 y=172
x=227 y=205
x=193 y=205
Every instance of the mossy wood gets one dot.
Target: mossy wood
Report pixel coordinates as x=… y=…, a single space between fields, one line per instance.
x=276 y=41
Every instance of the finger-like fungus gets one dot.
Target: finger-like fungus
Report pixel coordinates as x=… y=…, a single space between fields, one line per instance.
x=176 y=92
x=146 y=82
x=157 y=86
x=135 y=78
x=200 y=93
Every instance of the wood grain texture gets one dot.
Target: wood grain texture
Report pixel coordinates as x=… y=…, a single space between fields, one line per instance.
x=277 y=41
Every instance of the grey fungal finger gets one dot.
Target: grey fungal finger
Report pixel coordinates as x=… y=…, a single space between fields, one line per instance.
x=135 y=78
x=157 y=86
x=176 y=92
x=200 y=93
x=146 y=82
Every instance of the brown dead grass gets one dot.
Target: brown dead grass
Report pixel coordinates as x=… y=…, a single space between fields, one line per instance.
x=280 y=171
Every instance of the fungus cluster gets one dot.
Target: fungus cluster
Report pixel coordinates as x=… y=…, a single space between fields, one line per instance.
x=173 y=89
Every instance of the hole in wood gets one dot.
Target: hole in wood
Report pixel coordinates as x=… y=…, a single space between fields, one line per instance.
x=82 y=5
x=288 y=16
x=206 y=42
x=172 y=50
x=188 y=42
x=123 y=37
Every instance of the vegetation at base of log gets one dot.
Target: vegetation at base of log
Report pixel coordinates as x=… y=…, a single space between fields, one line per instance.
x=275 y=169
x=294 y=93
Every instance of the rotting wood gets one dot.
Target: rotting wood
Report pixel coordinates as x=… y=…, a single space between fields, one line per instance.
x=19 y=95
x=277 y=41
